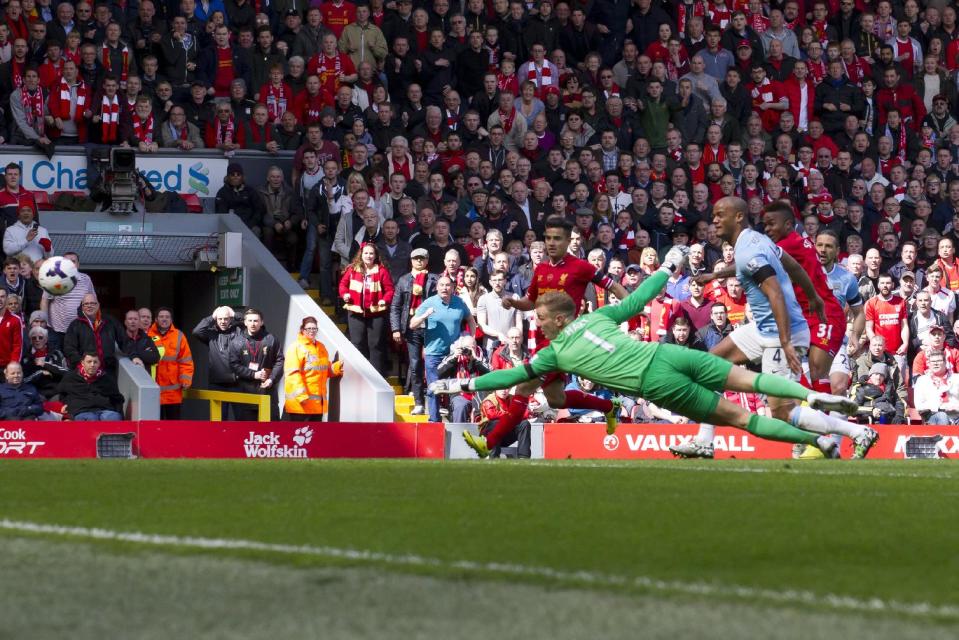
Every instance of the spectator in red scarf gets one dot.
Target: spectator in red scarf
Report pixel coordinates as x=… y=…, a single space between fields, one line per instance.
x=276 y=94
x=141 y=129
x=89 y=393
x=257 y=133
x=70 y=104
x=29 y=111
x=366 y=290
x=223 y=133
x=93 y=332
x=106 y=114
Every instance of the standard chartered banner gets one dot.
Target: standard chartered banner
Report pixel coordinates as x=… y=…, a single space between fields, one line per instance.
x=68 y=172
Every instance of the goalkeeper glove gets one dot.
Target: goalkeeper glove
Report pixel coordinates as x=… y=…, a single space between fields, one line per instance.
x=675 y=259
x=449 y=386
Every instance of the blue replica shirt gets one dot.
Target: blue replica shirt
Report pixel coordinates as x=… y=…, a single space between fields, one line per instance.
x=844 y=286
x=445 y=325
x=755 y=255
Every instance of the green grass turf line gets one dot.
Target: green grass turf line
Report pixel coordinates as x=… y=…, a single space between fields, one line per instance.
x=861 y=536
x=87 y=592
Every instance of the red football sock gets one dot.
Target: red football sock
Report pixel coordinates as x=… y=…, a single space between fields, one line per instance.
x=580 y=400
x=508 y=421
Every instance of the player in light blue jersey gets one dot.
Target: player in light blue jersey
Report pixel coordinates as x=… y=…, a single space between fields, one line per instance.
x=846 y=289
x=779 y=335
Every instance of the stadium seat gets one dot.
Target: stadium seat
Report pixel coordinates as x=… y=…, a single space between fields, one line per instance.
x=68 y=192
x=42 y=198
x=193 y=204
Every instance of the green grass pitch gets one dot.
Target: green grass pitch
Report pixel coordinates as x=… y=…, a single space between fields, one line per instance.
x=442 y=549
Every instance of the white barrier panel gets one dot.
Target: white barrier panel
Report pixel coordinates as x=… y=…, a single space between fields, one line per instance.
x=457 y=449
x=68 y=172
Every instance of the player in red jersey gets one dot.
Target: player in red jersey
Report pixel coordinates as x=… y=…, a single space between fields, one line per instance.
x=825 y=337
x=560 y=272
x=826 y=332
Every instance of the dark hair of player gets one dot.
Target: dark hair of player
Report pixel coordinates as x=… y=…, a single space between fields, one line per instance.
x=559 y=222
x=780 y=208
x=831 y=233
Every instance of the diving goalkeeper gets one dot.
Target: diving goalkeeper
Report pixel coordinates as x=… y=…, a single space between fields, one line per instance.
x=682 y=380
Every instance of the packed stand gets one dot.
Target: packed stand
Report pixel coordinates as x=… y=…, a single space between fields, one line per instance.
x=432 y=142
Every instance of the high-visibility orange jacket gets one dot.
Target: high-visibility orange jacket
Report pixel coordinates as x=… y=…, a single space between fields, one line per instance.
x=174 y=371
x=307 y=369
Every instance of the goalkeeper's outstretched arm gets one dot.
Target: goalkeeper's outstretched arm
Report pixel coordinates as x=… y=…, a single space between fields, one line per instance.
x=635 y=302
x=542 y=363
x=674 y=260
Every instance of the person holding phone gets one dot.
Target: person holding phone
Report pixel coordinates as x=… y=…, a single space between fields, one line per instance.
x=27 y=237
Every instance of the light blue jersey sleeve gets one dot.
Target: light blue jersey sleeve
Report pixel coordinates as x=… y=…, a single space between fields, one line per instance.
x=756 y=253
x=844 y=286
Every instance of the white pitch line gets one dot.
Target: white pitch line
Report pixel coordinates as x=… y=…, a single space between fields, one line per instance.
x=786 y=597
x=719 y=467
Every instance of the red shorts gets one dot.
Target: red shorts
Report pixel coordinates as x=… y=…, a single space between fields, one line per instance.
x=826 y=336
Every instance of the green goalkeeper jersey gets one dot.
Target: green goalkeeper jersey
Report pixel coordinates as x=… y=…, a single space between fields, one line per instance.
x=594 y=347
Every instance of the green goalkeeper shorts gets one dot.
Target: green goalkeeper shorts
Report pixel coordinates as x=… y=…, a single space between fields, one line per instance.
x=686 y=381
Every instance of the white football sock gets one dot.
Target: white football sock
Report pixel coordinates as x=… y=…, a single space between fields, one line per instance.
x=705 y=435
x=837 y=415
x=817 y=422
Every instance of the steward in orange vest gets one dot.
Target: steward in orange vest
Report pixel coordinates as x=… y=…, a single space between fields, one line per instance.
x=307 y=369
x=174 y=371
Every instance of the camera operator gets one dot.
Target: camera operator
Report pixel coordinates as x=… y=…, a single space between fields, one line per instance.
x=102 y=193
x=464 y=361
x=115 y=181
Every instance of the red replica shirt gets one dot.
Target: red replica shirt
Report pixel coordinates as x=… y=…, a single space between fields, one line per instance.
x=224 y=71
x=337 y=17
x=735 y=308
x=570 y=275
x=329 y=68
x=801 y=250
x=887 y=317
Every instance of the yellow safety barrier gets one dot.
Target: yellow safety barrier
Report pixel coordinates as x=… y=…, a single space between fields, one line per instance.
x=217 y=398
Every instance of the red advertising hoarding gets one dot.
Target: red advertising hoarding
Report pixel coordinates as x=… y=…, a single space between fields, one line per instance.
x=652 y=441
x=190 y=439
x=56 y=439
x=290 y=440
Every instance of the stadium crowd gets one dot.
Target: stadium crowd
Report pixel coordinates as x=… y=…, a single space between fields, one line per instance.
x=62 y=362
x=433 y=139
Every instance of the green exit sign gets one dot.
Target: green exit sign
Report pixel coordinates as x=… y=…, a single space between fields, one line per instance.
x=229 y=288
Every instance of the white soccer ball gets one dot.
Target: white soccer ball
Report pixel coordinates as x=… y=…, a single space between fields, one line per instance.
x=58 y=276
